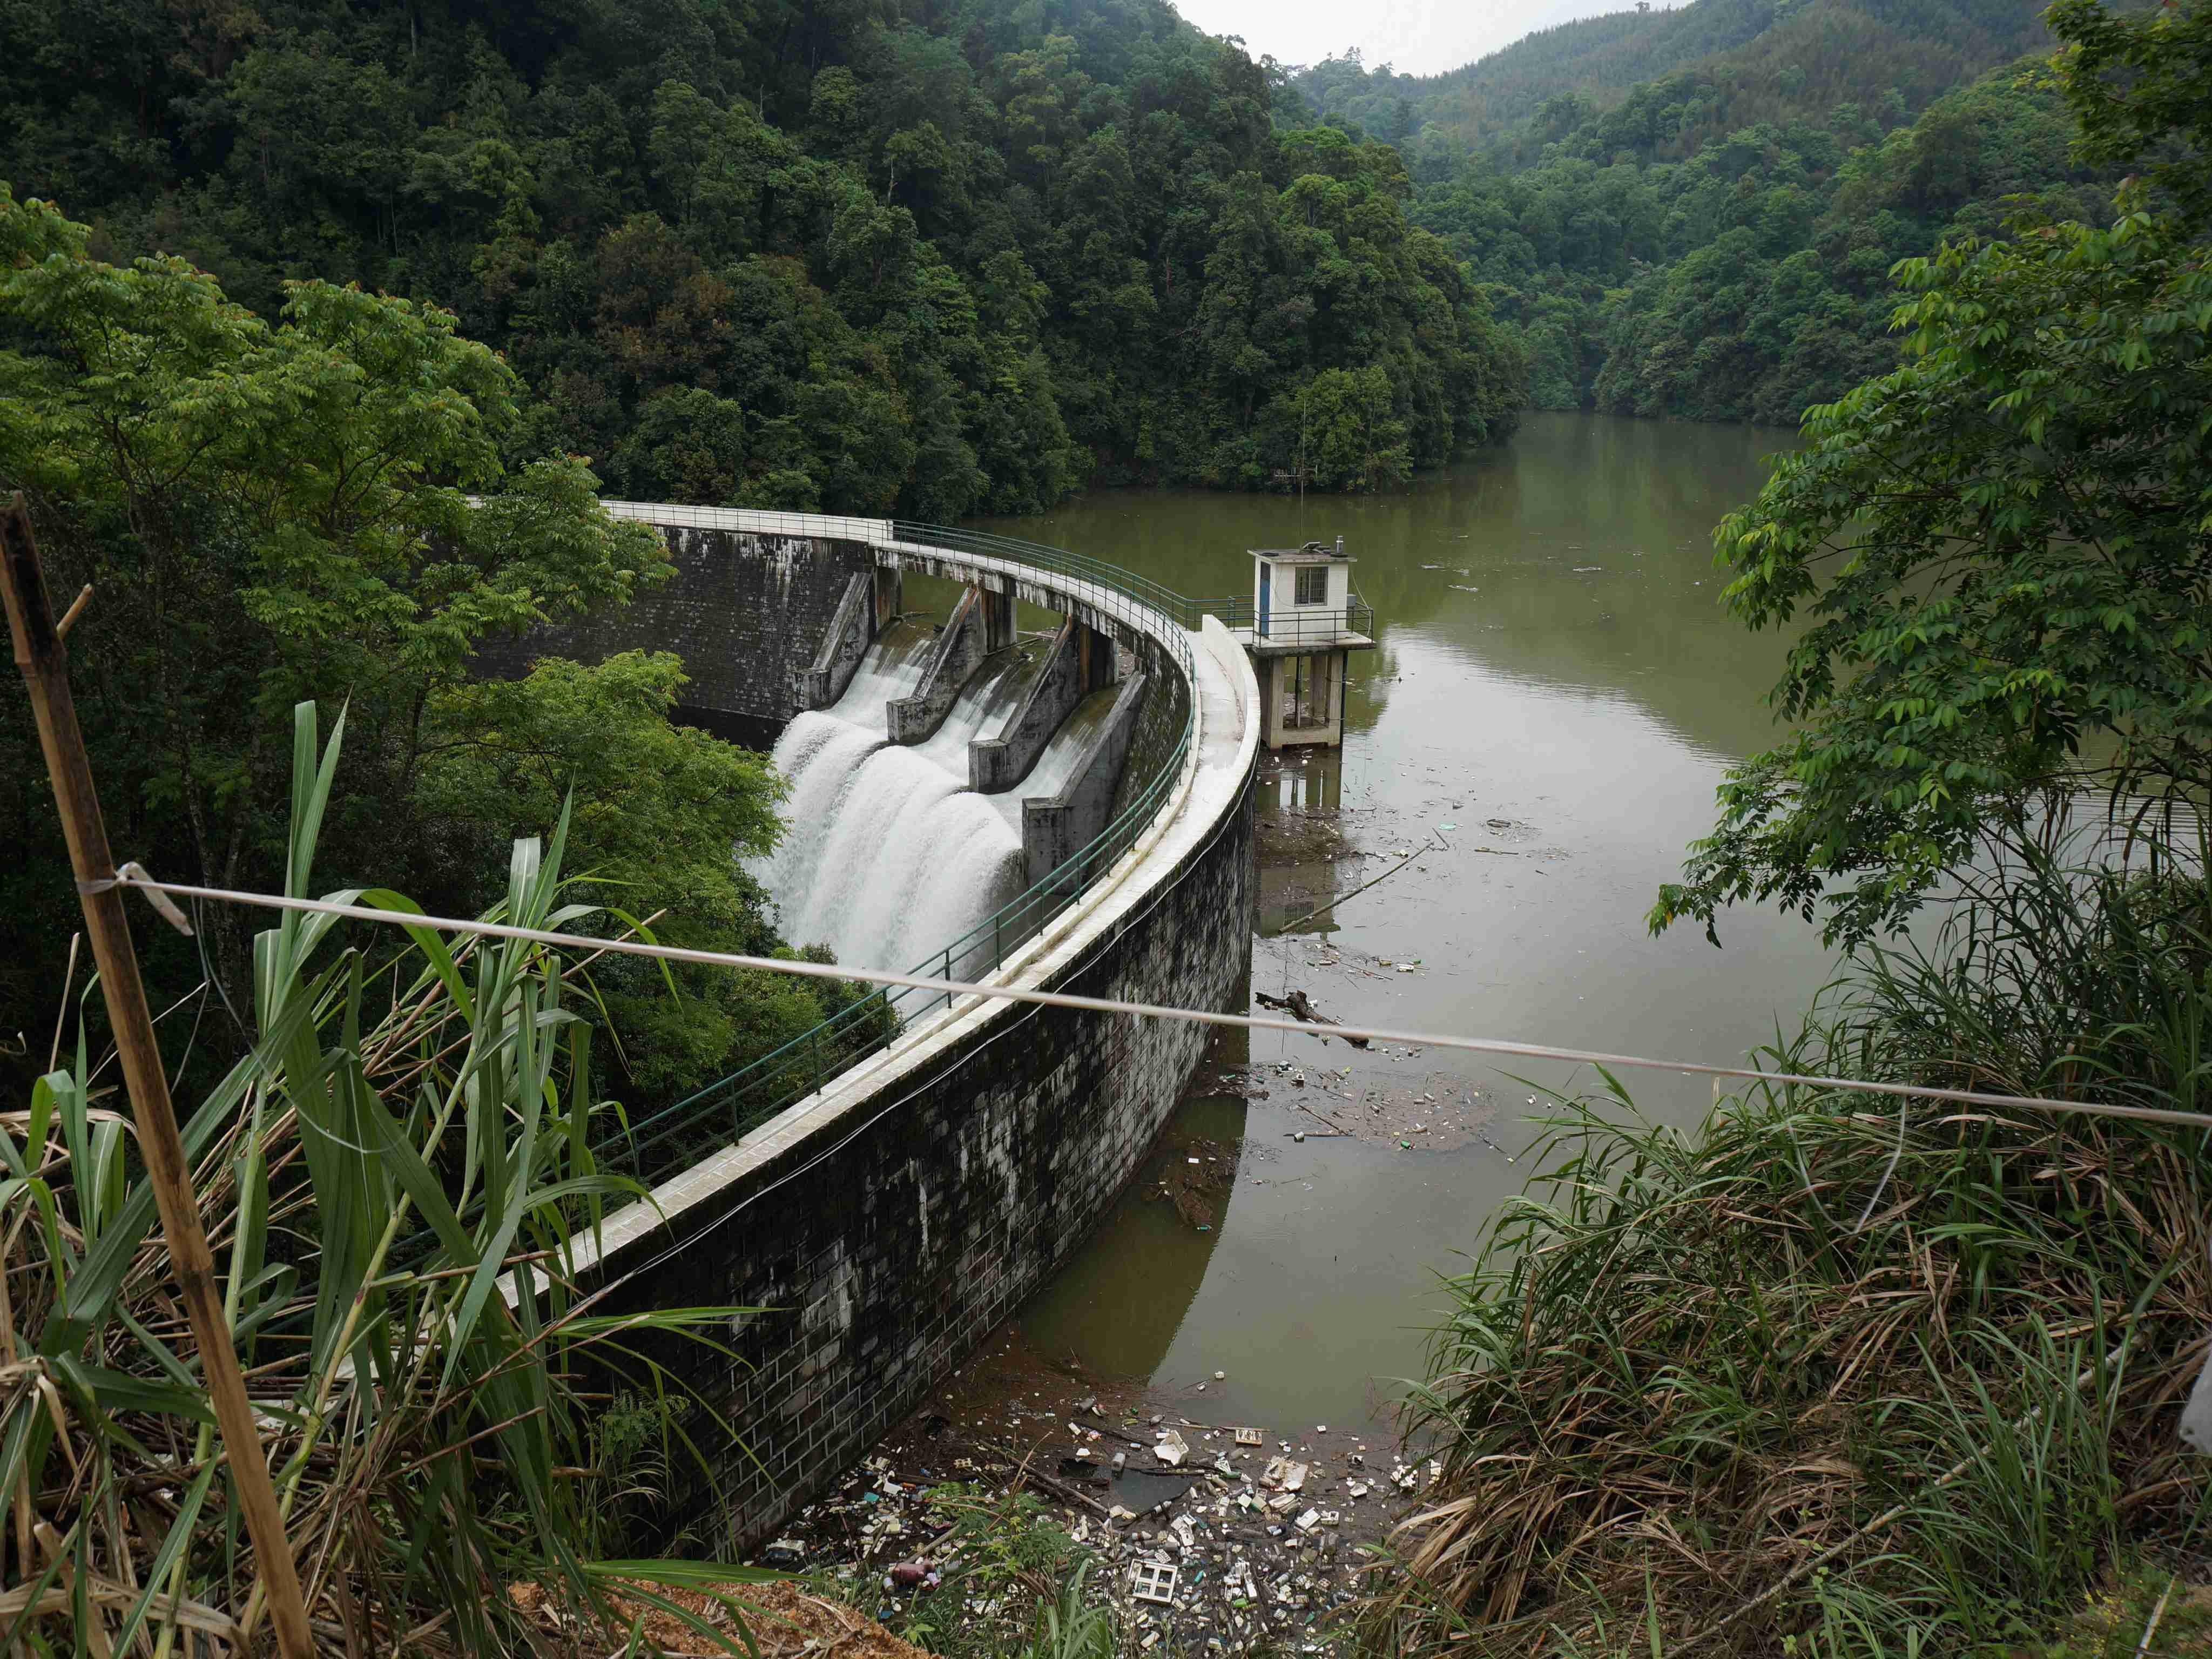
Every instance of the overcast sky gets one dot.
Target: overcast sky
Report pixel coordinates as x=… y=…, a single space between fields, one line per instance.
x=1416 y=37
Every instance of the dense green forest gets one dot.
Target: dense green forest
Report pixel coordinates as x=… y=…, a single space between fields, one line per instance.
x=1714 y=242
x=1752 y=279
x=1728 y=62
x=874 y=255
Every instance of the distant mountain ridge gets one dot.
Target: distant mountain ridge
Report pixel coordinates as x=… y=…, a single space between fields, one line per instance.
x=1741 y=60
x=1694 y=213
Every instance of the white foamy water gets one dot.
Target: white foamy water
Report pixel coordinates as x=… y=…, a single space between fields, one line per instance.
x=887 y=856
x=982 y=706
x=819 y=754
x=890 y=671
x=909 y=861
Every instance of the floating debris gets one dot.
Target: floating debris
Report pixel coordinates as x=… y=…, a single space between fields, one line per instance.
x=1153 y=1581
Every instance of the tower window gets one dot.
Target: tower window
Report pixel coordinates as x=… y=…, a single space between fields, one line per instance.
x=1313 y=584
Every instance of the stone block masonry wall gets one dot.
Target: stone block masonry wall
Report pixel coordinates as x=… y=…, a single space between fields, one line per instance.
x=882 y=1227
x=747 y=611
x=884 y=1245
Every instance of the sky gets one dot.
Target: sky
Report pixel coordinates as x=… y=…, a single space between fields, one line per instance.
x=1416 y=37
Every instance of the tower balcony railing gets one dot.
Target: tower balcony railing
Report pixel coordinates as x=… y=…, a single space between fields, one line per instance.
x=1296 y=624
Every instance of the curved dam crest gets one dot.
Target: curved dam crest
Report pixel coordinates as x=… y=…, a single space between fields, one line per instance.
x=884 y=1223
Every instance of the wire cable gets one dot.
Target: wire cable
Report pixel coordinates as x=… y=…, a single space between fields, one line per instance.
x=130 y=876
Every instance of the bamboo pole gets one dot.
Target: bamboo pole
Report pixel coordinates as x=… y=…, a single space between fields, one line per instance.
x=43 y=661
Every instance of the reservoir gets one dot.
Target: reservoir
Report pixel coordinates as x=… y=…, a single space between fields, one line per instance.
x=1556 y=693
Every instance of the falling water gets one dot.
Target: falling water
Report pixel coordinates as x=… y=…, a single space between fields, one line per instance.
x=909 y=862
x=993 y=694
x=818 y=755
x=892 y=668
x=888 y=855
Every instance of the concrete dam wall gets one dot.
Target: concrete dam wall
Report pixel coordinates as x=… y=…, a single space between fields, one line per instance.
x=746 y=607
x=884 y=1223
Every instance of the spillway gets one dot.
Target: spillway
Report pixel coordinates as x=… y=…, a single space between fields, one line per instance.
x=1057 y=764
x=994 y=692
x=892 y=668
x=888 y=855
x=905 y=860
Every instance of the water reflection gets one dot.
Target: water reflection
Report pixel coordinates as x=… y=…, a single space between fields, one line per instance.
x=1556 y=693
x=1117 y=1310
x=1305 y=859
x=1304 y=780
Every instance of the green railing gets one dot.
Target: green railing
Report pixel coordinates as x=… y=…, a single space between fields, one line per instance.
x=724 y=1109
x=1060 y=561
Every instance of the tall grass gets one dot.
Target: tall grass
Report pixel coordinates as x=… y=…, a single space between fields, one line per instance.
x=1921 y=1373
x=389 y=1179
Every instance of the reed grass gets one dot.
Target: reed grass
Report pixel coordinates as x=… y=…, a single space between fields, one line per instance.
x=1921 y=1372
x=389 y=1179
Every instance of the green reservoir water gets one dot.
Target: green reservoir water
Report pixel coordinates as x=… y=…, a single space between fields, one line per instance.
x=1554 y=679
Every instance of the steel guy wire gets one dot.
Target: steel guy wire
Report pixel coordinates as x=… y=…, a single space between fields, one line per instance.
x=132 y=876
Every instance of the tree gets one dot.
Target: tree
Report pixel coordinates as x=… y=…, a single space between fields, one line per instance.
x=269 y=514
x=273 y=514
x=2004 y=553
x=1347 y=436
x=659 y=816
x=2004 y=550
x=2140 y=85
x=941 y=259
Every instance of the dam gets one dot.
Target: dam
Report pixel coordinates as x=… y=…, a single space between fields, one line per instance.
x=1069 y=809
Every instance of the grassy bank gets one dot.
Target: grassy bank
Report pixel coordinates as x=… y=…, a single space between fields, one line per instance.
x=1817 y=1378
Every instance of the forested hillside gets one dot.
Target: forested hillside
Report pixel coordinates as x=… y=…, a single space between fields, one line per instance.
x=1716 y=242
x=1726 y=64
x=872 y=255
x=1752 y=279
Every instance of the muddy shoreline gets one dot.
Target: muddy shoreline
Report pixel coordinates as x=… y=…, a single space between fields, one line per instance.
x=1269 y=1545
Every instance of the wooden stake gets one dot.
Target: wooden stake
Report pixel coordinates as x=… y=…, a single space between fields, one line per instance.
x=45 y=662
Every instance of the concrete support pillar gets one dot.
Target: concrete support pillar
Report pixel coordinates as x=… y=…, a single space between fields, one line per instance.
x=891 y=589
x=1301 y=698
x=1056 y=830
x=998 y=620
x=1096 y=659
x=960 y=652
x=1080 y=661
x=852 y=630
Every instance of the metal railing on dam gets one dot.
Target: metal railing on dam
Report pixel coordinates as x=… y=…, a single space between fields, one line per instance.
x=724 y=1109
